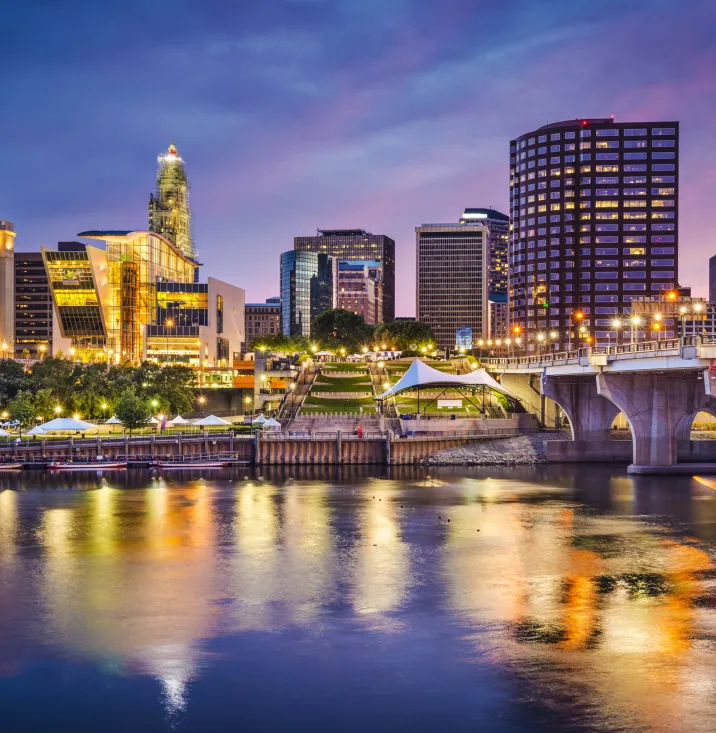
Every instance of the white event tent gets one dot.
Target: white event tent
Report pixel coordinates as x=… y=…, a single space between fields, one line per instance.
x=66 y=424
x=421 y=376
x=210 y=421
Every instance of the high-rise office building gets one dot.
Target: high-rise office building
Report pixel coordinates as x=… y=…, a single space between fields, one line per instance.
x=307 y=290
x=357 y=244
x=360 y=289
x=169 y=213
x=452 y=279
x=712 y=279
x=263 y=319
x=7 y=288
x=33 y=307
x=594 y=224
x=498 y=227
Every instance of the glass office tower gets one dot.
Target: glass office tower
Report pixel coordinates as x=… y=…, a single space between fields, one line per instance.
x=306 y=290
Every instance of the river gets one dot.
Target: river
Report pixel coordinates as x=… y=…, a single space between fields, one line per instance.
x=549 y=598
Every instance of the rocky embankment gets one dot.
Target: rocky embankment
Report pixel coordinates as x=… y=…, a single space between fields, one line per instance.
x=521 y=450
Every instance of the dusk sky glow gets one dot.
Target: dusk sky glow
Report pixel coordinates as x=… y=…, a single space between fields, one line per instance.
x=298 y=114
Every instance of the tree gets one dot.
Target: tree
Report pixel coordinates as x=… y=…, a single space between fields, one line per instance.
x=340 y=327
x=405 y=335
x=44 y=403
x=173 y=386
x=280 y=342
x=22 y=409
x=13 y=378
x=132 y=411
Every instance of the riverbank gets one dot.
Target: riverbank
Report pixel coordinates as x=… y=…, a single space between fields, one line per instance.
x=519 y=450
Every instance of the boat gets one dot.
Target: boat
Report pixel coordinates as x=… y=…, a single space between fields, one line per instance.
x=190 y=464
x=10 y=466
x=86 y=465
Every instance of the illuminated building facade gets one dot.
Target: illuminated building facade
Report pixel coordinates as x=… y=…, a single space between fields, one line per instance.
x=169 y=213
x=452 y=279
x=33 y=307
x=138 y=298
x=7 y=288
x=498 y=228
x=594 y=224
x=360 y=288
x=357 y=244
x=307 y=290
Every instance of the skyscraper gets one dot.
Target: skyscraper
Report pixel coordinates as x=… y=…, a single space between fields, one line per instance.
x=33 y=307
x=594 y=224
x=169 y=213
x=498 y=227
x=452 y=279
x=357 y=244
x=360 y=289
x=307 y=290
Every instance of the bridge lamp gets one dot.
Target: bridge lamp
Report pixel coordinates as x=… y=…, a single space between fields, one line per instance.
x=507 y=342
x=698 y=307
x=489 y=342
x=553 y=335
x=498 y=342
x=682 y=310
x=635 y=321
x=616 y=323
x=518 y=341
x=657 y=317
x=540 y=337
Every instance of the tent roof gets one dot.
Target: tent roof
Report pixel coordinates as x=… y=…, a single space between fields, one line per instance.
x=5 y=434
x=179 y=420
x=271 y=423
x=67 y=423
x=114 y=420
x=211 y=420
x=420 y=374
x=37 y=430
x=260 y=420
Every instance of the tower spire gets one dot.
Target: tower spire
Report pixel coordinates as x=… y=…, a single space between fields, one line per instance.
x=169 y=212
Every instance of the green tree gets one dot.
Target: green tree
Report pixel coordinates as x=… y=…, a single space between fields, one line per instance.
x=341 y=328
x=22 y=409
x=279 y=342
x=173 y=387
x=133 y=411
x=45 y=403
x=13 y=378
x=405 y=335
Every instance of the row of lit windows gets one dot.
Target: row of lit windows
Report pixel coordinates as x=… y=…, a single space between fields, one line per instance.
x=523 y=142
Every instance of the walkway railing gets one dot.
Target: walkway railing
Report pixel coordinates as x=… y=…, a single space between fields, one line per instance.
x=635 y=350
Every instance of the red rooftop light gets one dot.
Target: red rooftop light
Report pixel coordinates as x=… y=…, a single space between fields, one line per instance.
x=584 y=122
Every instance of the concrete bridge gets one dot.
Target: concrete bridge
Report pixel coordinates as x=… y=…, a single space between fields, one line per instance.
x=659 y=386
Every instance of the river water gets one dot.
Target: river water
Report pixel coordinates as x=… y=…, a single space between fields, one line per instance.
x=501 y=599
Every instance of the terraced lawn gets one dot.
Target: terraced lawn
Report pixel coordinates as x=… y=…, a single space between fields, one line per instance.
x=325 y=383
x=344 y=366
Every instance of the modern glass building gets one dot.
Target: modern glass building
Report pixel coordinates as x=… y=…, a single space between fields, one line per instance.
x=594 y=224
x=307 y=290
x=33 y=307
x=357 y=244
x=452 y=279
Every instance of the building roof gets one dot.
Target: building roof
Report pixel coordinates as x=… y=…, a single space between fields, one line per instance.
x=420 y=374
x=129 y=235
x=342 y=232
x=262 y=305
x=357 y=264
x=484 y=214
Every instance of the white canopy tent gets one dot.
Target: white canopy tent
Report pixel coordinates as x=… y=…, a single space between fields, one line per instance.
x=178 y=420
x=66 y=424
x=210 y=421
x=260 y=420
x=114 y=420
x=37 y=430
x=5 y=434
x=271 y=424
x=422 y=376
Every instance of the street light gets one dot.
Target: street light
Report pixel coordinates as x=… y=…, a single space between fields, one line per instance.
x=616 y=324
x=43 y=348
x=635 y=321
x=58 y=410
x=155 y=403
x=540 y=339
x=168 y=324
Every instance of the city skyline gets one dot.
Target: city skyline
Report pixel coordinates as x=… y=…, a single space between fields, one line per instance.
x=413 y=124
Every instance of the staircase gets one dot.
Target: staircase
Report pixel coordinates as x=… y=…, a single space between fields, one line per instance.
x=293 y=400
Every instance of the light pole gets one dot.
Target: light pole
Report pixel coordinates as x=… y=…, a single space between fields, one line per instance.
x=617 y=324
x=168 y=324
x=540 y=339
x=635 y=321
x=43 y=348
x=554 y=336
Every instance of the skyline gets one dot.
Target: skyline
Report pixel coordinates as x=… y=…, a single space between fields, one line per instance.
x=283 y=131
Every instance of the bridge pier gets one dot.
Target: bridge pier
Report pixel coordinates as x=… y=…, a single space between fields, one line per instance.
x=590 y=415
x=660 y=407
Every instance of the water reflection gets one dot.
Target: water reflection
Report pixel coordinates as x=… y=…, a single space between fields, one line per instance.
x=593 y=592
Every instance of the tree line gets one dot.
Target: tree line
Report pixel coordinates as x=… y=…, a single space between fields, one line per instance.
x=93 y=391
x=339 y=328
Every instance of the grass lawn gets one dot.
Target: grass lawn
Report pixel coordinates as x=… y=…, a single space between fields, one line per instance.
x=341 y=384
x=345 y=366
x=306 y=412
x=342 y=404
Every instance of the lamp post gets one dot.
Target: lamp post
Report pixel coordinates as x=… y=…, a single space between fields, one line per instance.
x=540 y=339
x=247 y=402
x=168 y=324
x=616 y=324
x=635 y=321
x=43 y=348
x=554 y=338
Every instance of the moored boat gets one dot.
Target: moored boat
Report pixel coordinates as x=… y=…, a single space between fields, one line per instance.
x=10 y=466
x=189 y=464
x=85 y=465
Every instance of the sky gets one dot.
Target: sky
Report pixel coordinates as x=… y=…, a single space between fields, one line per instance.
x=293 y=115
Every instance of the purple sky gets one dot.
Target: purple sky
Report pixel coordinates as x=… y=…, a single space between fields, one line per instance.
x=298 y=114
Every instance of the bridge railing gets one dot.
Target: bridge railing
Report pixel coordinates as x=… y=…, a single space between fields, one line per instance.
x=573 y=356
